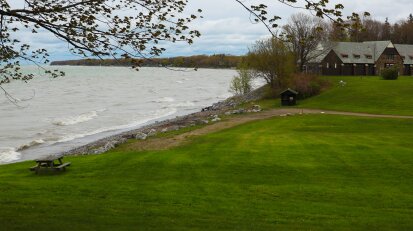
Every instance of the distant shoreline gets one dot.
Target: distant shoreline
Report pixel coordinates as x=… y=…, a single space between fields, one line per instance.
x=174 y=68
x=220 y=61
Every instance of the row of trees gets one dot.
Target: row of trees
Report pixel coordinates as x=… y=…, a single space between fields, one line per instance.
x=304 y=33
x=368 y=29
x=278 y=60
x=274 y=61
x=196 y=61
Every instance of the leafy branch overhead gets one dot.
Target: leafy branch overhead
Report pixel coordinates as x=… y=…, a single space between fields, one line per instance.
x=114 y=28
x=319 y=8
x=130 y=29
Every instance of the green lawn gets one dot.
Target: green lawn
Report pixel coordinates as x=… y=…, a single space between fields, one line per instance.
x=314 y=172
x=366 y=94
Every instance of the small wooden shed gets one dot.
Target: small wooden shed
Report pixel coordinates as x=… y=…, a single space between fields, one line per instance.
x=289 y=97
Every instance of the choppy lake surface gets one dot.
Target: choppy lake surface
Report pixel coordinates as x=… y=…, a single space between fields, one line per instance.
x=55 y=115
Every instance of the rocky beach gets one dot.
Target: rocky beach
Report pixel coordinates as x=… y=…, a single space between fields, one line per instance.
x=207 y=115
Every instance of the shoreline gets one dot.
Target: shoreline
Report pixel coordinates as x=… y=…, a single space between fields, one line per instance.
x=207 y=115
x=105 y=144
x=80 y=110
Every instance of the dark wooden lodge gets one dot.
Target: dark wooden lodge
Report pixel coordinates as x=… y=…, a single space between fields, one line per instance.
x=366 y=58
x=289 y=97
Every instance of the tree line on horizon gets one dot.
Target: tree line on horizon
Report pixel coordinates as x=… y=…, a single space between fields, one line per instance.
x=369 y=29
x=195 y=61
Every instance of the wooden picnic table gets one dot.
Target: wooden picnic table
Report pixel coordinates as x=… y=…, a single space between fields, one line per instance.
x=53 y=162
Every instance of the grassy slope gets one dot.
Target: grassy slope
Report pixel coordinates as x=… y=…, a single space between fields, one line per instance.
x=369 y=94
x=304 y=172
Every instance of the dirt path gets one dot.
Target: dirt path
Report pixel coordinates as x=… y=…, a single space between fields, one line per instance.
x=169 y=142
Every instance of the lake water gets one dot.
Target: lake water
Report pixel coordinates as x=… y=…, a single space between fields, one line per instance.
x=55 y=115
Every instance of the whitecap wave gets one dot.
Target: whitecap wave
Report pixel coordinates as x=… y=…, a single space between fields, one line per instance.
x=183 y=104
x=102 y=110
x=153 y=116
x=31 y=144
x=71 y=120
x=224 y=96
x=8 y=155
x=164 y=99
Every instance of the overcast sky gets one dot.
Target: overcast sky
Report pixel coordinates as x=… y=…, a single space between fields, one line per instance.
x=226 y=27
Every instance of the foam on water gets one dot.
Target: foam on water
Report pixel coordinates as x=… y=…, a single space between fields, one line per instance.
x=183 y=104
x=224 y=96
x=164 y=100
x=71 y=120
x=31 y=144
x=151 y=116
x=8 y=154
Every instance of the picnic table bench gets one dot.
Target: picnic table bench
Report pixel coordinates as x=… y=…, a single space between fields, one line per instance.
x=53 y=162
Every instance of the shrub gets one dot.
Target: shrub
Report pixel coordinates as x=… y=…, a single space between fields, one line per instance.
x=271 y=60
x=241 y=84
x=271 y=93
x=307 y=85
x=391 y=73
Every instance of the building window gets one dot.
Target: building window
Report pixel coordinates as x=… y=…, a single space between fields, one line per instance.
x=356 y=56
x=328 y=65
x=335 y=65
x=344 y=55
x=390 y=57
x=369 y=57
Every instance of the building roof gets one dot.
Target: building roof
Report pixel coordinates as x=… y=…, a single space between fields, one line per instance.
x=378 y=47
x=406 y=51
x=362 y=53
x=289 y=90
x=350 y=52
x=365 y=52
x=318 y=55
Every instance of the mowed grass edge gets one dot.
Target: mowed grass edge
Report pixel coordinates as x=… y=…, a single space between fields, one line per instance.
x=366 y=94
x=318 y=172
